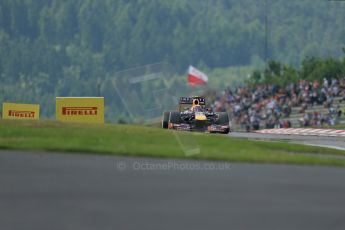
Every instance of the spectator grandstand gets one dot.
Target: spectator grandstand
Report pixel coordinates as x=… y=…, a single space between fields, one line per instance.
x=299 y=104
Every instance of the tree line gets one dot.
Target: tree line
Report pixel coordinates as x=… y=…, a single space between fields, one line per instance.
x=312 y=69
x=65 y=47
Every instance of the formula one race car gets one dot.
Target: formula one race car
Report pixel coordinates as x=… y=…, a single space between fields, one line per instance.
x=196 y=117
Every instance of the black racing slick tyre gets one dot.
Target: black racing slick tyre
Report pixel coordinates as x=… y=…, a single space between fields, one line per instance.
x=165 y=120
x=224 y=120
x=175 y=117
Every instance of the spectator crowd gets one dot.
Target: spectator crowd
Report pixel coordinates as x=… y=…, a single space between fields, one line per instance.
x=270 y=106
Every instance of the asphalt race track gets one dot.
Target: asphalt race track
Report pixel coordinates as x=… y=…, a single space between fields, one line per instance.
x=83 y=191
x=331 y=142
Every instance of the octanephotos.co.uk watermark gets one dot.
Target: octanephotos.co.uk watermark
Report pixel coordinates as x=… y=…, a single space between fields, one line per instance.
x=143 y=165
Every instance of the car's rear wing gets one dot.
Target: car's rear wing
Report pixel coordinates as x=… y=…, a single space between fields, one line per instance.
x=189 y=101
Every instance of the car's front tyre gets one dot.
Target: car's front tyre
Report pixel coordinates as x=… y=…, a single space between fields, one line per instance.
x=165 y=120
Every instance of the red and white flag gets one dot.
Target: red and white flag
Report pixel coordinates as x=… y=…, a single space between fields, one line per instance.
x=196 y=77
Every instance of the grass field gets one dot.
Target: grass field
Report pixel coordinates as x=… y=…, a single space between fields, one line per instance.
x=338 y=126
x=154 y=142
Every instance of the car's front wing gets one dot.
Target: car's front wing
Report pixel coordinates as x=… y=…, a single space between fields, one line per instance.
x=213 y=128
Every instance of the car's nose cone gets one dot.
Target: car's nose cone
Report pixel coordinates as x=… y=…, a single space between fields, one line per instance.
x=200 y=117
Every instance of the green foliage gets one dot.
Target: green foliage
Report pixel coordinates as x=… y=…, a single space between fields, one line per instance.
x=62 y=47
x=317 y=69
x=276 y=73
x=256 y=78
x=312 y=69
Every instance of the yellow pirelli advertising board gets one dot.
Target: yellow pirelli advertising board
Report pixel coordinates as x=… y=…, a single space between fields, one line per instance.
x=80 y=109
x=20 y=111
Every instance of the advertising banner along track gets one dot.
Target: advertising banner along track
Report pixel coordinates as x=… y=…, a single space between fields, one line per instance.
x=20 y=111
x=80 y=109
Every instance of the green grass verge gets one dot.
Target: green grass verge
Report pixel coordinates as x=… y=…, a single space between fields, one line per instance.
x=338 y=126
x=154 y=142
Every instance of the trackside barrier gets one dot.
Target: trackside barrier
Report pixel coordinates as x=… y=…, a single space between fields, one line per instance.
x=15 y=111
x=80 y=109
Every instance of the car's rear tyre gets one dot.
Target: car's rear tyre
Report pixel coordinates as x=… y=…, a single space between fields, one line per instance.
x=175 y=117
x=226 y=131
x=165 y=120
x=224 y=120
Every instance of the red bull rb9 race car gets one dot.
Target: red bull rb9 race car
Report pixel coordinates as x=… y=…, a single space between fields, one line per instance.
x=193 y=115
